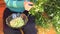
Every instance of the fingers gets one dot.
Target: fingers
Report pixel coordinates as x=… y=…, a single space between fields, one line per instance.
x=28 y=5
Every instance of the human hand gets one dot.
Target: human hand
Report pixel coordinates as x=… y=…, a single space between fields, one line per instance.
x=27 y=5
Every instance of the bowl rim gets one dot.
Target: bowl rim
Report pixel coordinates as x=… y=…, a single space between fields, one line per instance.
x=14 y=18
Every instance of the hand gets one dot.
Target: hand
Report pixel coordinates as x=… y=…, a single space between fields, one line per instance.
x=27 y=6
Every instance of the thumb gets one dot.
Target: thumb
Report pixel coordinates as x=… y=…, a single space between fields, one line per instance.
x=30 y=3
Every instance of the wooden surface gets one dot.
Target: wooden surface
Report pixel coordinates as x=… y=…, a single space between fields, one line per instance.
x=1 y=20
x=2 y=7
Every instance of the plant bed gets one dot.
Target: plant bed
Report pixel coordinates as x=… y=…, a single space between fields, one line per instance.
x=47 y=12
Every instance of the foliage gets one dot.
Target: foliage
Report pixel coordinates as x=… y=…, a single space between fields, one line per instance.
x=46 y=12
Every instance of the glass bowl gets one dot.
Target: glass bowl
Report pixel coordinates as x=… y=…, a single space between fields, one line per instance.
x=16 y=20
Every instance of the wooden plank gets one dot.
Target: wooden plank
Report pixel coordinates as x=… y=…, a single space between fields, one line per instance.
x=2 y=7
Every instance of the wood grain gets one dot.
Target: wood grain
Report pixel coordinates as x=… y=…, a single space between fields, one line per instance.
x=2 y=7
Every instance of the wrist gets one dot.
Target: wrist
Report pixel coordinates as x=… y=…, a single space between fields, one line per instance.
x=26 y=12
